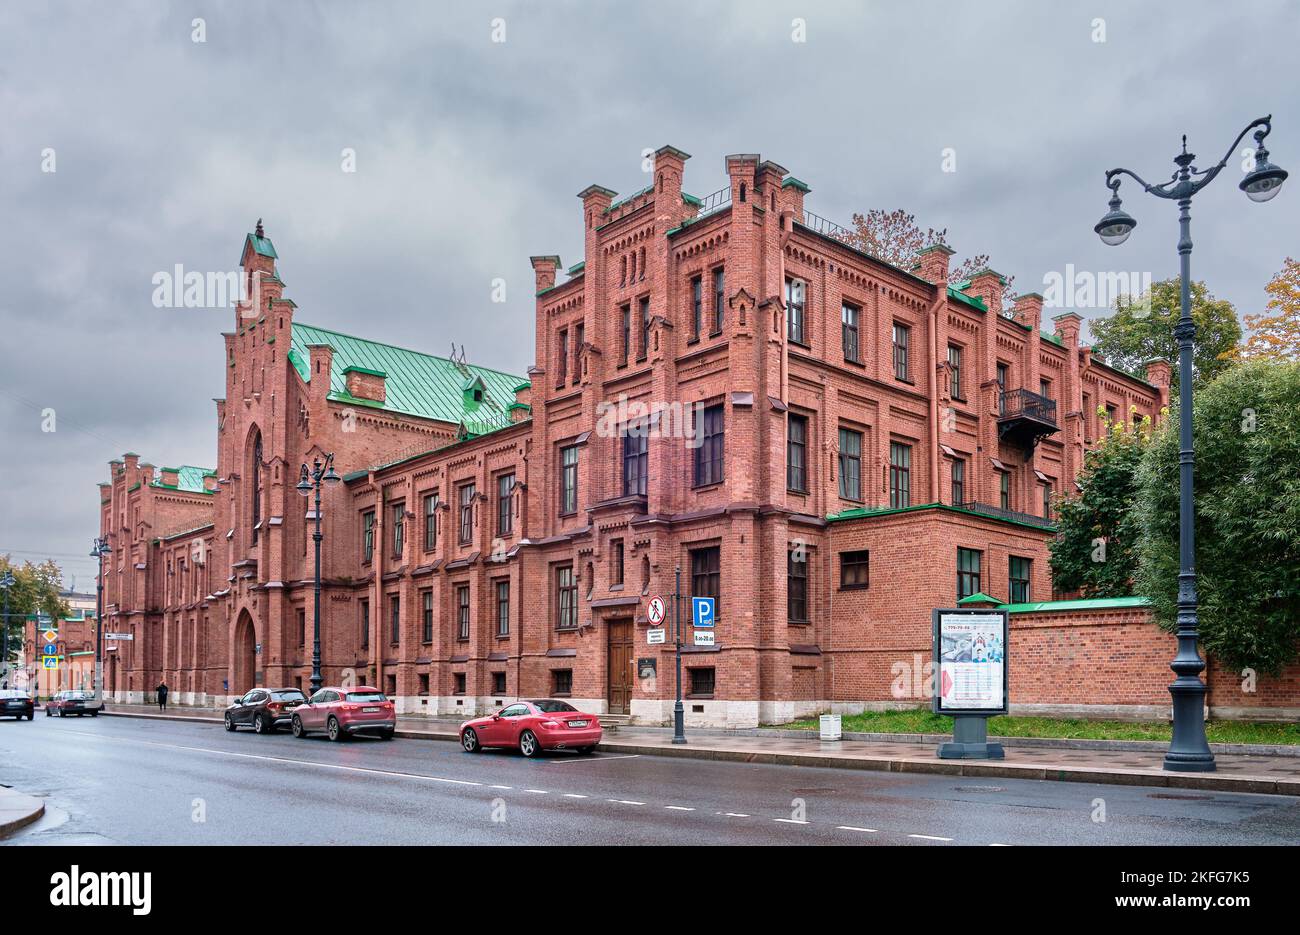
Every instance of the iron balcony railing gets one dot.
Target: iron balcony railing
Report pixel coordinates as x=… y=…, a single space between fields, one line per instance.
x=1026 y=404
x=987 y=509
x=826 y=228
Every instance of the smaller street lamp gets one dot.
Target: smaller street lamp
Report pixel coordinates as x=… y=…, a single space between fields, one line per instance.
x=321 y=472
x=98 y=550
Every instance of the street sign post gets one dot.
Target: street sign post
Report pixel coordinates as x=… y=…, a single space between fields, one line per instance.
x=703 y=637
x=702 y=611
x=655 y=636
x=970 y=657
x=655 y=612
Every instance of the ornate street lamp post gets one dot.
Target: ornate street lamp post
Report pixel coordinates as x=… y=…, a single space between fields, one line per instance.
x=321 y=472
x=97 y=551
x=6 y=582
x=1188 y=749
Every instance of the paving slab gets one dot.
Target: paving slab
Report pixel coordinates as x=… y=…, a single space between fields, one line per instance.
x=17 y=810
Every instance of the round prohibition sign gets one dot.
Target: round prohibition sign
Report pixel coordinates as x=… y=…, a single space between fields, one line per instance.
x=655 y=613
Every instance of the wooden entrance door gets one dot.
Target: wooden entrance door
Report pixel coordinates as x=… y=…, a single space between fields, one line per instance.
x=620 y=666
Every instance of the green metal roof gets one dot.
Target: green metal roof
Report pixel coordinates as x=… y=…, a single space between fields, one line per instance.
x=261 y=246
x=1092 y=603
x=973 y=301
x=980 y=598
x=188 y=478
x=415 y=384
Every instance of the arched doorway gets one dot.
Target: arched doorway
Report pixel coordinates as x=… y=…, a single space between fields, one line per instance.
x=244 y=655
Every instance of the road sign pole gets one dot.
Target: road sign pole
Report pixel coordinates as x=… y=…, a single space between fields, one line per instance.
x=679 y=713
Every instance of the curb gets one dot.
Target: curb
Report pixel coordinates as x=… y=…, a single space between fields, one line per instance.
x=989 y=769
x=18 y=810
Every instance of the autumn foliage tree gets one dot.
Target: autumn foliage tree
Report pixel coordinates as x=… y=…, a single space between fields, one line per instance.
x=1275 y=335
x=35 y=591
x=895 y=238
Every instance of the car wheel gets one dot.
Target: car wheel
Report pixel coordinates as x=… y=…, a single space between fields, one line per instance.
x=94 y=714
x=296 y=727
x=469 y=740
x=528 y=744
x=49 y=713
x=62 y=713
x=259 y=724
x=386 y=735
x=230 y=721
x=335 y=730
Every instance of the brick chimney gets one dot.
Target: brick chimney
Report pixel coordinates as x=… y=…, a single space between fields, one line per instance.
x=1029 y=310
x=1159 y=374
x=170 y=477
x=364 y=383
x=988 y=285
x=1067 y=328
x=793 y=191
x=933 y=262
x=544 y=269
x=670 y=166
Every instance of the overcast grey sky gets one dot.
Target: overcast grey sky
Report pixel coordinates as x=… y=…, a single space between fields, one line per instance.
x=469 y=153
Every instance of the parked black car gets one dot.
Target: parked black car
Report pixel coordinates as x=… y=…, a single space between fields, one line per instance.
x=16 y=704
x=264 y=709
x=72 y=702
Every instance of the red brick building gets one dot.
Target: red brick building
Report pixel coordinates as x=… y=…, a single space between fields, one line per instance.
x=827 y=444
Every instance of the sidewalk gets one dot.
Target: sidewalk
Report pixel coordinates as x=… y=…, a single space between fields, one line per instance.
x=1237 y=772
x=17 y=810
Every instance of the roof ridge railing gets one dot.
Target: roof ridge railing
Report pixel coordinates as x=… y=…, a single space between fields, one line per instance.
x=825 y=227
x=714 y=202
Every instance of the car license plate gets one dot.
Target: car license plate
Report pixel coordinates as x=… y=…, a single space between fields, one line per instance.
x=577 y=723
x=369 y=710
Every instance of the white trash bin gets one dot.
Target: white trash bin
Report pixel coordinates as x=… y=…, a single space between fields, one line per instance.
x=830 y=724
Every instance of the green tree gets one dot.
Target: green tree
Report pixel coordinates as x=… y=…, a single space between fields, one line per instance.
x=1094 y=550
x=1142 y=327
x=35 y=590
x=1247 y=516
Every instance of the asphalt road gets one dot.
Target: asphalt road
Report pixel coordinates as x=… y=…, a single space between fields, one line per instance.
x=128 y=781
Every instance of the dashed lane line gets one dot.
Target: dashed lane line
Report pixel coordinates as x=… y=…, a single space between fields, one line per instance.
x=678 y=808
x=852 y=828
x=928 y=837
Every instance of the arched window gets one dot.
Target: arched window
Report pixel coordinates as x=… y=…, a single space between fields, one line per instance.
x=255 y=488
x=645 y=574
x=742 y=192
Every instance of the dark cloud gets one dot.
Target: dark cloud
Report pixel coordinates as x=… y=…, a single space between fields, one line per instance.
x=469 y=154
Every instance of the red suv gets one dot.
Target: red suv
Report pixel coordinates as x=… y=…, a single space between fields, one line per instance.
x=341 y=712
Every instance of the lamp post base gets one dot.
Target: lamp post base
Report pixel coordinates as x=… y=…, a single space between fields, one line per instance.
x=679 y=723
x=970 y=740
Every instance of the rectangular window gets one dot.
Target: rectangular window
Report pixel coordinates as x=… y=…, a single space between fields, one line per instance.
x=796 y=295
x=466 y=514
x=625 y=314
x=1047 y=501
x=368 y=535
x=458 y=683
x=1018 y=569
x=302 y=626
x=1002 y=373
x=1045 y=388
x=568 y=480
x=424 y=683
x=562 y=682
x=566 y=598
x=636 y=459
x=462 y=611
x=855 y=569
x=394 y=619
x=849 y=315
x=579 y=338
x=706 y=565
x=365 y=624
x=954 y=372
x=644 y=318
x=430 y=521
x=503 y=607
x=399 y=528
x=562 y=367
x=719 y=299
x=426 y=616
x=1004 y=489
x=796 y=585
x=900 y=475
x=703 y=682
x=902 y=336
x=1088 y=417
x=796 y=453
x=505 y=516
x=968 y=572
x=697 y=307
x=958 y=481
x=615 y=561
x=498 y=683
x=709 y=452
x=850 y=464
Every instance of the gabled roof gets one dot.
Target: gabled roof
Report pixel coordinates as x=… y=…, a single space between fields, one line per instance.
x=415 y=384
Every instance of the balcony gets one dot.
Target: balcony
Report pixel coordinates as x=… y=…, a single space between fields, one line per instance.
x=1015 y=516
x=1024 y=417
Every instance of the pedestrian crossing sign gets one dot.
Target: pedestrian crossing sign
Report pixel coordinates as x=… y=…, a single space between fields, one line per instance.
x=50 y=662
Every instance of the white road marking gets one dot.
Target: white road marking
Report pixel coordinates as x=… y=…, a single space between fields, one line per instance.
x=537 y=791
x=928 y=837
x=999 y=845
x=678 y=808
x=573 y=795
x=587 y=759
x=624 y=802
x=500 y=787
x=790 y=821
x=851 y=828
x=735 y=815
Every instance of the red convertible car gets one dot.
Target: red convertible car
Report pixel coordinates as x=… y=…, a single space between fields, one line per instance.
x=533 y=726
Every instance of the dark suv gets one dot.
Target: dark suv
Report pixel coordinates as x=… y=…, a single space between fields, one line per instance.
x=264 y=709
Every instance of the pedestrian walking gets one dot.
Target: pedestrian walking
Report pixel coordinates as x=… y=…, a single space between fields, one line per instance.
x=162 y=696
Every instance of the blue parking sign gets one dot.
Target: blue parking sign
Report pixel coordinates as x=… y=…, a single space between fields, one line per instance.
x=702 y=611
